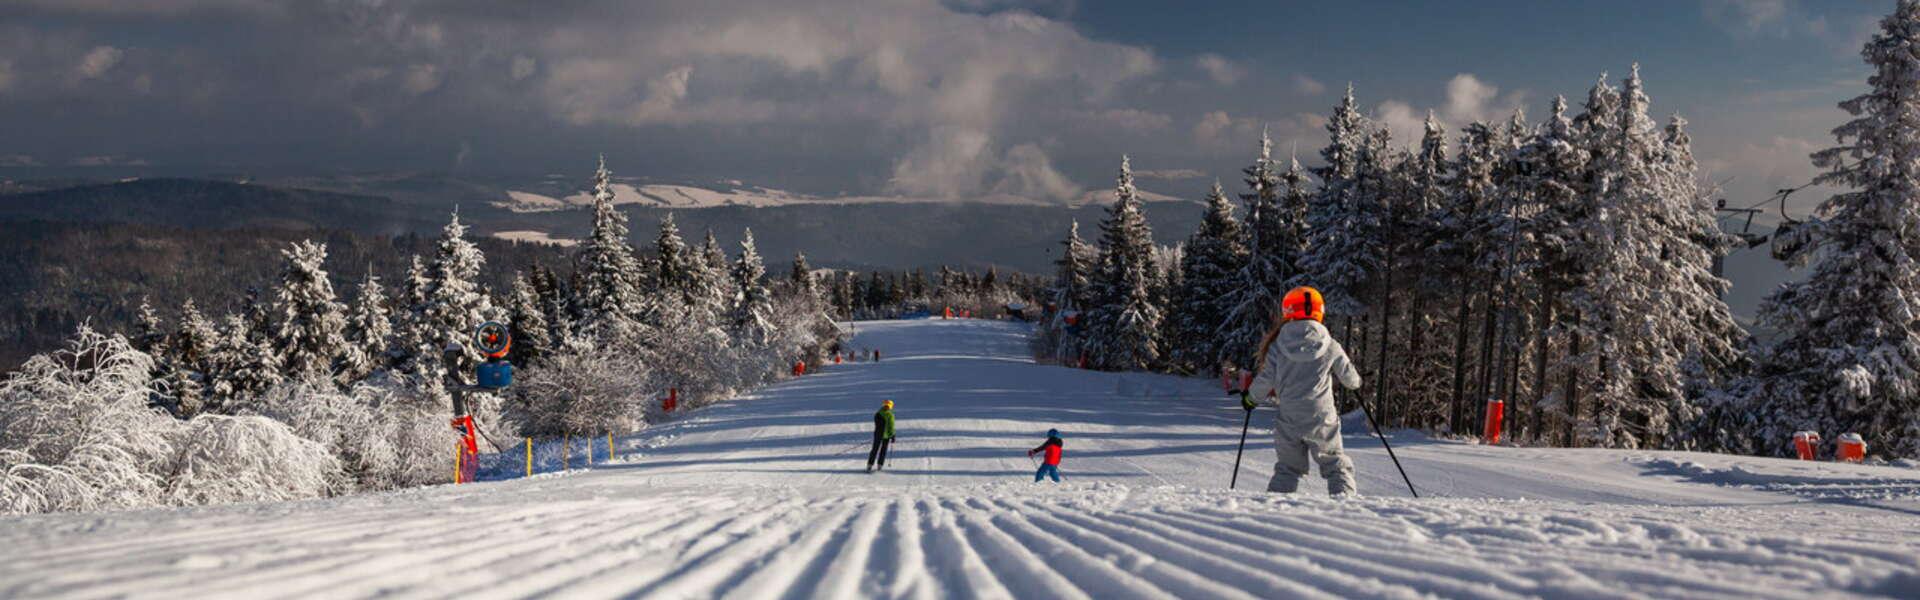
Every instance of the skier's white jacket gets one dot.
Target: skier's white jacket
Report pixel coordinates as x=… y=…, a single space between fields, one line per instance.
x=1297 y=372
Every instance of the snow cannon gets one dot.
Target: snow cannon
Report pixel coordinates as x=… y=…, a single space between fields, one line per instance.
x=1851 y=448
x=1496 y=416
x=1806 y=444
x=672 y=400
x=493 y=340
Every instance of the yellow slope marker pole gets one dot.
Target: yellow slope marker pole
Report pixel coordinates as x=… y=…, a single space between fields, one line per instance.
x=610 y=455
x=529 y=457
x=456 y=463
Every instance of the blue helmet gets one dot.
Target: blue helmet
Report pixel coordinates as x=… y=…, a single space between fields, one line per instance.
x=1053 y=433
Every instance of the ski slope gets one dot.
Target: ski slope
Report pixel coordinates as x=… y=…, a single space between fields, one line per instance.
x=765 y=497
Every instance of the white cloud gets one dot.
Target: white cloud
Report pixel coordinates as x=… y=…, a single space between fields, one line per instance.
x=1467 y=100
x=98 y=61
x=1307 y=86
x=1220 y=133
x=1129 y=120
x=421 y=78
x=1169 y=174
x=1219 y=69
x=1746 y=16
x=1030 y=173
x=522 y=67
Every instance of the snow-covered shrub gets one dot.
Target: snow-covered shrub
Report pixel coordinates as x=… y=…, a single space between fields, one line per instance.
x=386 y=432
x=583 y=389
x=77 y=432
x=251 y=458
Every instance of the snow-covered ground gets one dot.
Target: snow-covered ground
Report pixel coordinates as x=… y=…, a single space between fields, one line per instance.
x=766 y=497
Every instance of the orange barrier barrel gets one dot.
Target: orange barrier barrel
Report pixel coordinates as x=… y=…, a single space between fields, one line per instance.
x=1806 y=444
x=1850 y=448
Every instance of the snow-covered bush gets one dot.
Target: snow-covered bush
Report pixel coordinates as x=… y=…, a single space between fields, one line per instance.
x=251 y=458
x=583 y=389
x=386 y=433
x=77 y=432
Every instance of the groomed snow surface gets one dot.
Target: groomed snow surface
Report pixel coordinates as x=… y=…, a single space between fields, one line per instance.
x=765 y=497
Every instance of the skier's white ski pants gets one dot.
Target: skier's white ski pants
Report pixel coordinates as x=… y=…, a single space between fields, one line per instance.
x=1315 y=438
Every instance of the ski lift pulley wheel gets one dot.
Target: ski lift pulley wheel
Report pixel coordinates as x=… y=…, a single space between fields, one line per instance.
x=493 y=339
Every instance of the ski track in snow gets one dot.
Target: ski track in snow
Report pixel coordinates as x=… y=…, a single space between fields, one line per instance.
x=763 y=498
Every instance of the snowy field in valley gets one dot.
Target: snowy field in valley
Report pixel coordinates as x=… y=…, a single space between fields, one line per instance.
x=766 y=497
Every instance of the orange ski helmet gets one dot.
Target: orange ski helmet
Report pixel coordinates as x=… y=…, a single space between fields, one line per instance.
x=1303 y=303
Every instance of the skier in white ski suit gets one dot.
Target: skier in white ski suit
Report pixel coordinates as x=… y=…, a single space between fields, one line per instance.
x=1300 y=361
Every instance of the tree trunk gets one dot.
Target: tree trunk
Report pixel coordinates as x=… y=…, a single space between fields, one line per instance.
x=1458 y=412
x=1573 y=387
x=1540 y=363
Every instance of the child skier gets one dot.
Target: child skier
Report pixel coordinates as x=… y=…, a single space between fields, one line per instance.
x=1298 y=362
x=882 y=436
x=1051 y=467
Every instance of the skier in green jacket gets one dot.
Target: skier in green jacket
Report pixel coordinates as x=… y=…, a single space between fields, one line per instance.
x=882 y=437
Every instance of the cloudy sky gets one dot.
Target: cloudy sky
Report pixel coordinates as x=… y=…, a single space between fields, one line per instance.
x=956 y=98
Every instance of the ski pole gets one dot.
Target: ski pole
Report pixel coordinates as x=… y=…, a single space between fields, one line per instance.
x=1383 y=442
x=1243 y=447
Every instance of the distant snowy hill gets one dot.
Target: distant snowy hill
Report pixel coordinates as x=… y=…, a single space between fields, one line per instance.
x=737 y=194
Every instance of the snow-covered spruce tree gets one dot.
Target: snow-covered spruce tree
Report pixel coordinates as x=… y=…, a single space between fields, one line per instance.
x=610 y=302
x=1343 y=222
x=750 y=314
x=1457 y=254
x=1214 y=259
x=310 y=328
x=149 y=334
x=528 y=320
x=800 y=277
x=1648 y=252
x=1551 y=177
x=676 y=266
x=1124 y=323
x=1070 y=295
x=409 y=334
x=1847 y=358
x=714 y=278
x=456 y=305
x=192 y=351
x=369 y=332
x=1275 y=237
x=1713 y=343
x=1425 y=369
x=556 y=306
x=243 y=368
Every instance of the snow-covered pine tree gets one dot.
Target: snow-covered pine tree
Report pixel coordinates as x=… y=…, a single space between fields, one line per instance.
x=528 y=320
x=1457 y=253
x=310 y=331
x=1061 y=337
x=751 y=313
x=149 y=334
x=456 y=304
x=369 y=332
x=716 y=279
x=1275 y=238
x=1713 y=344
x=1343 y=223
x=1425 y=369
x=800 y=278
x=610 y=302
x=675 y=265
x=243 y=368
x=1210 y=269
x=258 y=314
x=1649 y=253
x=1550 y=175
x=1124 y=323
x=1847 y=358
x=190 y=347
